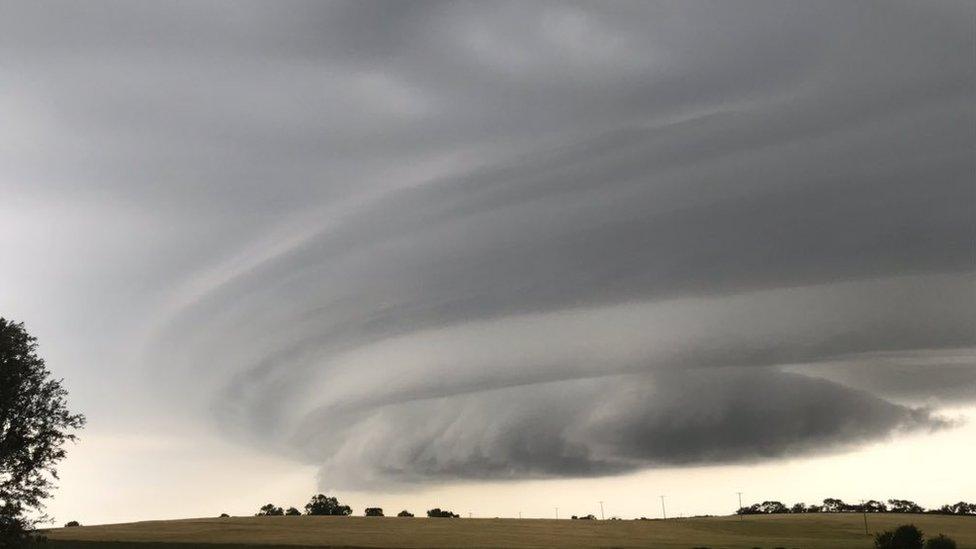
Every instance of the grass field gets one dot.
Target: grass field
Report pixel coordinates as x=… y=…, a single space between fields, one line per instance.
x=812 y=531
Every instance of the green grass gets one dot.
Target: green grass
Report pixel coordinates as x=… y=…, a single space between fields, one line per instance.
x=811 y=531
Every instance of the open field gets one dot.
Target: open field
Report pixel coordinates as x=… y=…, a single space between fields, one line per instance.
x=810 y=531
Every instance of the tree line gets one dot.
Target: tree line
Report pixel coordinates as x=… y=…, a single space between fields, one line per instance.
x=329 y=505
x=834 y=505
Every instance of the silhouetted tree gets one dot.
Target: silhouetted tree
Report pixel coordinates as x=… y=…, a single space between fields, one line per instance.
x=71 y=524
x=764 y=508
x=326 y=505
x=905 y=506
x=404 y=513
x=292 y=512
x=940 y=542
x=961 y=508
x=834 y=505
x=798 y=508
x=584 y=517
x=34 y=425
x=374 y=512
x=437 y=512
x=270 y=510
x=224 y=515
x=873 y=506
x=772 y=508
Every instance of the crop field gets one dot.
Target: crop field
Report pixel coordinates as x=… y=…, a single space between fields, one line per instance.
x=807 y=531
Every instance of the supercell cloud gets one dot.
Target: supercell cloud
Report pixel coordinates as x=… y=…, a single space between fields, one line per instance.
x=430 y=242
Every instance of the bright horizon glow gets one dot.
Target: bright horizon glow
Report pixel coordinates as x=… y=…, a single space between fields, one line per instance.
x=229 y=479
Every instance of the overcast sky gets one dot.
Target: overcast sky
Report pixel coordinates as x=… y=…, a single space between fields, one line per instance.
x=444 y=252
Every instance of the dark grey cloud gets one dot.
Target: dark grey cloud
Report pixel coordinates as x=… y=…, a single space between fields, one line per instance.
x=602 y=426
x=432 y=241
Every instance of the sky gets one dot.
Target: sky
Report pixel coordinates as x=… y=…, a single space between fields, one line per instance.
x=495 y=257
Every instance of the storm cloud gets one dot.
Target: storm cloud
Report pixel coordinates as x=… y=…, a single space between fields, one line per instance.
x=428 y=242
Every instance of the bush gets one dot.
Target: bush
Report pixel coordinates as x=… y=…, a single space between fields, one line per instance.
x=940 y=542
x=404 y=513
x=374 y=512
x=291 y=512
x=882 y=540
x=71 y=524
x=224 y=515
x=906 y=536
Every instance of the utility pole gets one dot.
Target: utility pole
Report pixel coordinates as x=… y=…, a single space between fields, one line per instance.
x=864 y=513
x=664 y=511
x=740 y=505
x=601 y=512
x=557 y=513
x=520 y=515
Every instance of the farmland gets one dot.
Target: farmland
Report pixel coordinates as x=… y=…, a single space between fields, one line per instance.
x=801 y=531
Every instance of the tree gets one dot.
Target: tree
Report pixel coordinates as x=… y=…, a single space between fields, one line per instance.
x=35 y=423
x=438 y=513
x=906 y=536
x=834 y=505
x=404 y=513
x=224 y=515
x=374 y=512
x=874 y=506
x=326 y=505
x=798 y=508
x=961 y=508
x=772 y=508
x=291 y=512
x=940 y=542
x=764 y=508
x=905 y=506
x=270 y=510
x=72 y=524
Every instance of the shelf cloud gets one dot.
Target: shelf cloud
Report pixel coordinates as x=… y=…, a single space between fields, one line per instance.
x=435 y=242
